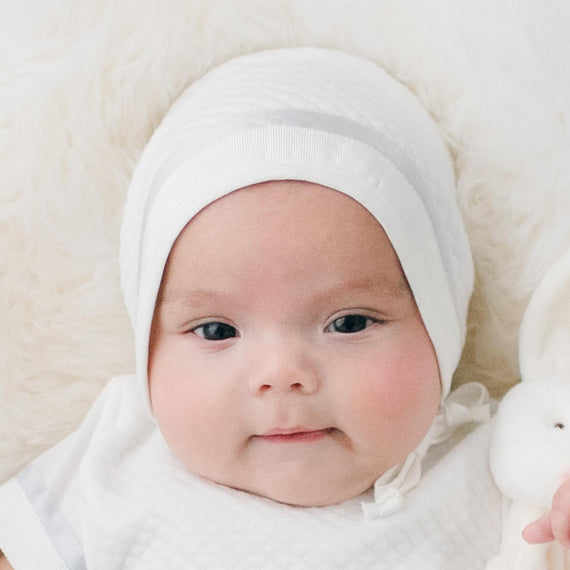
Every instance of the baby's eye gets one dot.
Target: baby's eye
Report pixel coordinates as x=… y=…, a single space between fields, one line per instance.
x=215 y=331
x=350 y=324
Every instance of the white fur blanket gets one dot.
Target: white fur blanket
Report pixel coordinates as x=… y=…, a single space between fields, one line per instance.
x=84 y=82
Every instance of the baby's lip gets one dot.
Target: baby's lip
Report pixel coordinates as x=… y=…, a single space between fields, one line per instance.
x=294 y=434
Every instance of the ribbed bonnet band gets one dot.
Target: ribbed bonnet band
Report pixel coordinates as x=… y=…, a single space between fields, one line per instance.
x=307 y=114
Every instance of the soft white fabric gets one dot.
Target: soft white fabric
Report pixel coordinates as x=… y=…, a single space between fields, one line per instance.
x=516 y=553
x=545 y=330
x=128 y=503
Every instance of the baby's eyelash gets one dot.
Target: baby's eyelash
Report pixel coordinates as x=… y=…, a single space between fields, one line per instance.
x=351 y=324
x=215 y=331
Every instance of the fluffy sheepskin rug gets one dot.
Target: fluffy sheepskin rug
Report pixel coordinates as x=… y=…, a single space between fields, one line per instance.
x=83 y=83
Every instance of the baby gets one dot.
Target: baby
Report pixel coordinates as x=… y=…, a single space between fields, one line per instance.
x=297 y=275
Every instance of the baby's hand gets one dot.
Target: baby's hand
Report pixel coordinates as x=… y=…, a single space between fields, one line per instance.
x=554 y=525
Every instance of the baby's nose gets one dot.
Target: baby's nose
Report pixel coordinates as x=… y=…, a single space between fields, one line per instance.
x=284 y=369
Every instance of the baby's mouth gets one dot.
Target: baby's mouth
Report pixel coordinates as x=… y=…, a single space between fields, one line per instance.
x=294 y=435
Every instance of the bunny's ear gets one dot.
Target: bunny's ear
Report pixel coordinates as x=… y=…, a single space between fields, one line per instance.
x=544 y=342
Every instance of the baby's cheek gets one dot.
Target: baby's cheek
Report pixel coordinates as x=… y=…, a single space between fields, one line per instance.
x=182 y=411
x=398 y=404
x=394 y=384
x=378 y=400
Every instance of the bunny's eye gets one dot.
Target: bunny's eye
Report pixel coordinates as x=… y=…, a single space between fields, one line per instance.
x=559 y=425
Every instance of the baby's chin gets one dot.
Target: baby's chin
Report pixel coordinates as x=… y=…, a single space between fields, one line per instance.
x=307 y=493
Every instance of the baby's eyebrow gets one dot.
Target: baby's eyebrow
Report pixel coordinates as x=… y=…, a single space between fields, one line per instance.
x=188 y=297
x=384 y=288
x=394 y=289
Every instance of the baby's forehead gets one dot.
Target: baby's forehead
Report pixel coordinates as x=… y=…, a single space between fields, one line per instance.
x=280 y=200
x=286 y=230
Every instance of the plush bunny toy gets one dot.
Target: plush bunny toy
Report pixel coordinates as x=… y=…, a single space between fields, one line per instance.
x=530 y=446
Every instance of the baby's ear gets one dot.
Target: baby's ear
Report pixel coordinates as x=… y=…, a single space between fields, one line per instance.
x=544 y=341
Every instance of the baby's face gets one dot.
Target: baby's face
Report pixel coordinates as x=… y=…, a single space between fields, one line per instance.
x=288 y=357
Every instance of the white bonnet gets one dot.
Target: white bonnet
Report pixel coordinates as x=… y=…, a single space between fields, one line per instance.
x=307 y=114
